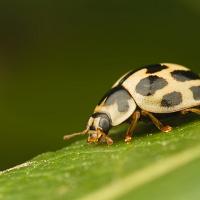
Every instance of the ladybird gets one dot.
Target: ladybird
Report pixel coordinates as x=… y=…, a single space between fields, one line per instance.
x=152 y=89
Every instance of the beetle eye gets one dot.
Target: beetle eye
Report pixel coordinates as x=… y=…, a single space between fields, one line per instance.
x=104 y=123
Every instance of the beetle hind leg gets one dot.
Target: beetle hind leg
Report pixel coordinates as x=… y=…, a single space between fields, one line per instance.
x=134 y=120
x=193 y=110
x=156 y=122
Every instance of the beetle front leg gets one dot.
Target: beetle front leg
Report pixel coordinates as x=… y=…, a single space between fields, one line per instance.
x=100 y=136
x=156 y=122
x=134 y=120
x=105 y=138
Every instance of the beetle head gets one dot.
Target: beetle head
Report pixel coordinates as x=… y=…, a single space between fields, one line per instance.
x=99 y=121
x=98 y=127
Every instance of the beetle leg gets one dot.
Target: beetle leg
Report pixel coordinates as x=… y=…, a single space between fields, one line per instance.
x=134 y=120
x=156 y=122
x=100 y=136
x=193 y=110
x=92 y=139
x=105 y=138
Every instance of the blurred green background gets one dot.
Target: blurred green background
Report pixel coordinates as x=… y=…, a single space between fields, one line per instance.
x=57 y=58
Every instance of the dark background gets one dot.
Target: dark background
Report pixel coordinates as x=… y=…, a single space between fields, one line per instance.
x=57 y=58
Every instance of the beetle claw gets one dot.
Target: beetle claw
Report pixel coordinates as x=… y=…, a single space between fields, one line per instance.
x=105 y=138
x=166 y=129
x=109 y=140
x=128 y=139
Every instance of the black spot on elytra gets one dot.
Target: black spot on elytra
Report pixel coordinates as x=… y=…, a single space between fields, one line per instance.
x=148 y=86
x=171 y=99
x=196 y=92
x=182 y=75
x=121 y=97
x=155 y=68
x=152 y=68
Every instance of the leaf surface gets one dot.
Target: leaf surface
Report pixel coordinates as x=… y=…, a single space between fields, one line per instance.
x=154 y=166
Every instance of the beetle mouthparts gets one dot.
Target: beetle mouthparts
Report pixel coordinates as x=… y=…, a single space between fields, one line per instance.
x=68 y=137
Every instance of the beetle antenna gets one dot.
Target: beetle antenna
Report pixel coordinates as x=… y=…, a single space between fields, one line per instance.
x=68 y=137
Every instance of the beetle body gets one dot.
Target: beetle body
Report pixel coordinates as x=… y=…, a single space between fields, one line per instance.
x=157 y=88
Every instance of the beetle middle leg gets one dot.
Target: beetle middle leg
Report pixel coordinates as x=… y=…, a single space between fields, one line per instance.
x=156 y=122
x=134 y=120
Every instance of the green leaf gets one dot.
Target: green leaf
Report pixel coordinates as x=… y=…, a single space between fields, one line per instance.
x=154 y=166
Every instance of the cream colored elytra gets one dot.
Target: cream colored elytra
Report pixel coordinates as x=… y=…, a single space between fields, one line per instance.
x=152 y=103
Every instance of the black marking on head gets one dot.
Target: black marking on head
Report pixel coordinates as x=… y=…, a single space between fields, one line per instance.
x=104 y=123
x=148 y=86
x=97 y=114
x=92 y=128
x=172 y=99
x=121 y=97
x=196 y=92
x=182 y=75
x=153 y=68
